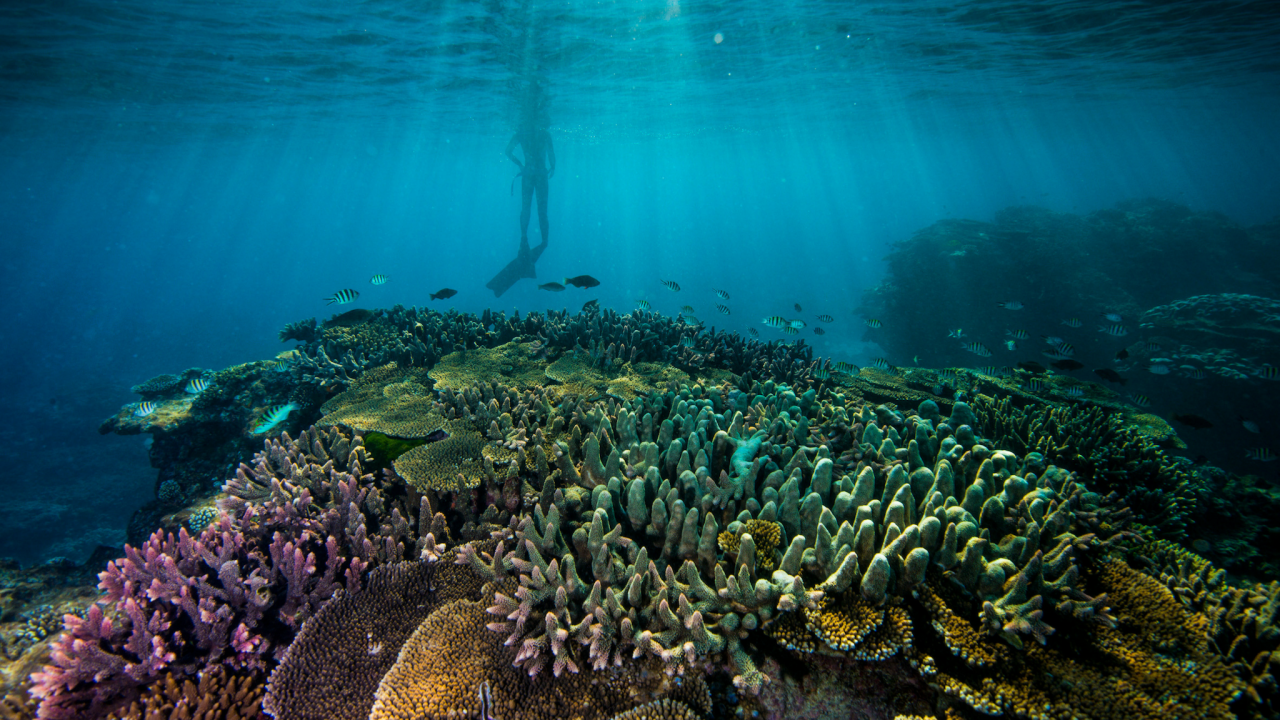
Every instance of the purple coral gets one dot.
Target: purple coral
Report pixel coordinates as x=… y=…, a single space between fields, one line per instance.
x=303 y=522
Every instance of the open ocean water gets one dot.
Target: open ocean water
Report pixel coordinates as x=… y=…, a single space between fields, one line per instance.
x=180 y=179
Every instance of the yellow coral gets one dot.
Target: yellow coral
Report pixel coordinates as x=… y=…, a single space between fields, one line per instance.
x=386 y=399
x=767 y=536
x=453 y=663
x=449 y=465
x=513 y=363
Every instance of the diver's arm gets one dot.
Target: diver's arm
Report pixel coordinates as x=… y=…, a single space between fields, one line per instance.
x=551 y=154
x=511 y=150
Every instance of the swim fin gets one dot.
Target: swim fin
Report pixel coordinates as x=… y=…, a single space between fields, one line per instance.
x=519 y=268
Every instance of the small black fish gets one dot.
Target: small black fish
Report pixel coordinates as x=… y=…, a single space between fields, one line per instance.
x=798 y=308
x=436 y=435
x=582 y=281
x=1122 y=355
x=1067 y=365
x=1193 y=420
x=1032 y=367
x=444 y=294
x=1110 y=375
x=350 y=318
x=552 y=286
x=819 y=331
x=591 y=306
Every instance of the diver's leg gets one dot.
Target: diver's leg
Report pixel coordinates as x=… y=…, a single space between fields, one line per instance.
x=526 y=200
x=542 y=207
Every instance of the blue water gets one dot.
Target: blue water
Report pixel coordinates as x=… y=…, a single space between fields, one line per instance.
x=178 y=180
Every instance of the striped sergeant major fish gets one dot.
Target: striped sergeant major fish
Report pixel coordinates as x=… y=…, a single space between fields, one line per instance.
x=342 y=297
x=195 y=386
x=273 y=416
x=672 y=285
x=775 y=321
x=721 y=294
x=826 y=318
x=1113 y=330
x=379 y=280
x=1260 y=454
x=724 y=309
x=977 y=348
x=145 y=408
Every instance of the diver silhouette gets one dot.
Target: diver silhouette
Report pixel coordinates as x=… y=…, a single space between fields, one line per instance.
x=536 y=169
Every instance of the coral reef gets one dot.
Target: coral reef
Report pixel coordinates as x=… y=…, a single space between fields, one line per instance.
x=1137 y=255
x=616 y=516
x=334 y=356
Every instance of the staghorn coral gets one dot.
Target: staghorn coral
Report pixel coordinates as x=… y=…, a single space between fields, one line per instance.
x=1156 y=661
x=659 y=710
x=217 y=694
x=389 y=400
x=1104 y=450
x=333 y=668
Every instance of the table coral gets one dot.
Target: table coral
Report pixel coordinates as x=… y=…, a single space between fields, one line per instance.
x=391 y=400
